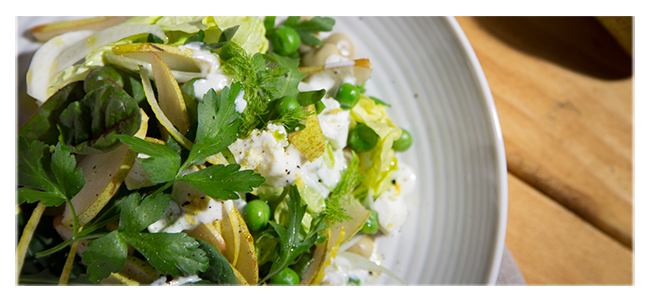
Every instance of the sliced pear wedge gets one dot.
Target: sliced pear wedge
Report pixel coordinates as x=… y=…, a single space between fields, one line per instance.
x=309 y=141
x=359 y=216
x=337 y=235
x=241 y=280
x=211 y=233
x=45 y=32
x=160 y=115
x=247 y=257
x=359 y=68
x=135 y=272
x=319 y=257
x=229 y=231
x=104 y=173
x=170 y=97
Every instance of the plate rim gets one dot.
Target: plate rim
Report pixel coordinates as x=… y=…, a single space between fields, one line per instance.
x=497 y=137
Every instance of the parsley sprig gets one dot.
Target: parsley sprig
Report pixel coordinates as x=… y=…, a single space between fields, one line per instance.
x=292 y=243
x=218 y=122
x=170 y=253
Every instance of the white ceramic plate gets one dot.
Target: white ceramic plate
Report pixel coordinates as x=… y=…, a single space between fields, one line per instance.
x=426 y=69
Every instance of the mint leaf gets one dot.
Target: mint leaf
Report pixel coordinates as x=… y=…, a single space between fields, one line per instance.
x=137 y=213
x=163 y=162
x=222 y=181
x=291 y=242
x=170 y=253
x=105 y=255
x=44 y=177
x=218 y=123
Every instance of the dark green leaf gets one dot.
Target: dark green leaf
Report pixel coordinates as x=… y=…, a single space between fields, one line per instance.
x=306 y=29
x=152 y=38
x=196 y=38
x=92 y=124
x=219 y=271
x=105 y=255
x=222 y=181
x=286 y=85
x=377 y=101
x=50 y=180
x=170 y=253
x=218 y=124
x=291 y=242
x=269 y=23
x=163 y=162
x=137 y=213
x=42 y=125
x=310 y=97
x=69 y=179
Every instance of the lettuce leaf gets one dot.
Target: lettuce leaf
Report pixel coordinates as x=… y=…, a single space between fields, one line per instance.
x=378 y=163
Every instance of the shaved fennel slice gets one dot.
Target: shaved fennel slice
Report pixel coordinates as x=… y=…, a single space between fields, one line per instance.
x=134 y=65
x=99 y=39
x=363 y=263
x=39 y=73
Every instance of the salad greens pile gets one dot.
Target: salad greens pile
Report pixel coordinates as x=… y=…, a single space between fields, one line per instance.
x=98 y=113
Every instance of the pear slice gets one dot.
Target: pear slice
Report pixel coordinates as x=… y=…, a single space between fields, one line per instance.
x=135 y=272
x=247 y=257
x=359 y=68
x=359 y=216
x=170 y=98
x=230 y=236
x=309 y=141
x=320 y=255
x=45 y=32
x=337 y=235
x=211 y=233
x=240 y=278
x=104 y=173
x=157 y=110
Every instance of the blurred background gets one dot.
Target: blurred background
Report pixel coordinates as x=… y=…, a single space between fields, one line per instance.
x=563 y=89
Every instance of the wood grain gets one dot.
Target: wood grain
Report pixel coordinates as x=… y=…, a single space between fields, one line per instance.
x=553 y=246
x=563 y=92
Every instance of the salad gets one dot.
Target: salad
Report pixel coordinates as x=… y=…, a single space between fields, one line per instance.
x=205 y=150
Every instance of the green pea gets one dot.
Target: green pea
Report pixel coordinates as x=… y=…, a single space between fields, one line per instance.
x=403 y=142
x=372 y=224
x=256 y=215
x=362 y=138
x=285 y=277
x=285 y=105
x=348 y=95
x=285 y=40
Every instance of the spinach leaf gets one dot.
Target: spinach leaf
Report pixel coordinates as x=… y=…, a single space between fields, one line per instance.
x=42 y=125
x=90 y=126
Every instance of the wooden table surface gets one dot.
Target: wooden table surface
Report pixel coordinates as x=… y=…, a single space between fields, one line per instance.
x=563 y=92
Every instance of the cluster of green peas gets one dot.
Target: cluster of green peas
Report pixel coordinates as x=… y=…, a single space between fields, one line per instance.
x=362 y=138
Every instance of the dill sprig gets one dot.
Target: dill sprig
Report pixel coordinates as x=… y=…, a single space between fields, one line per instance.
x=334 y=212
